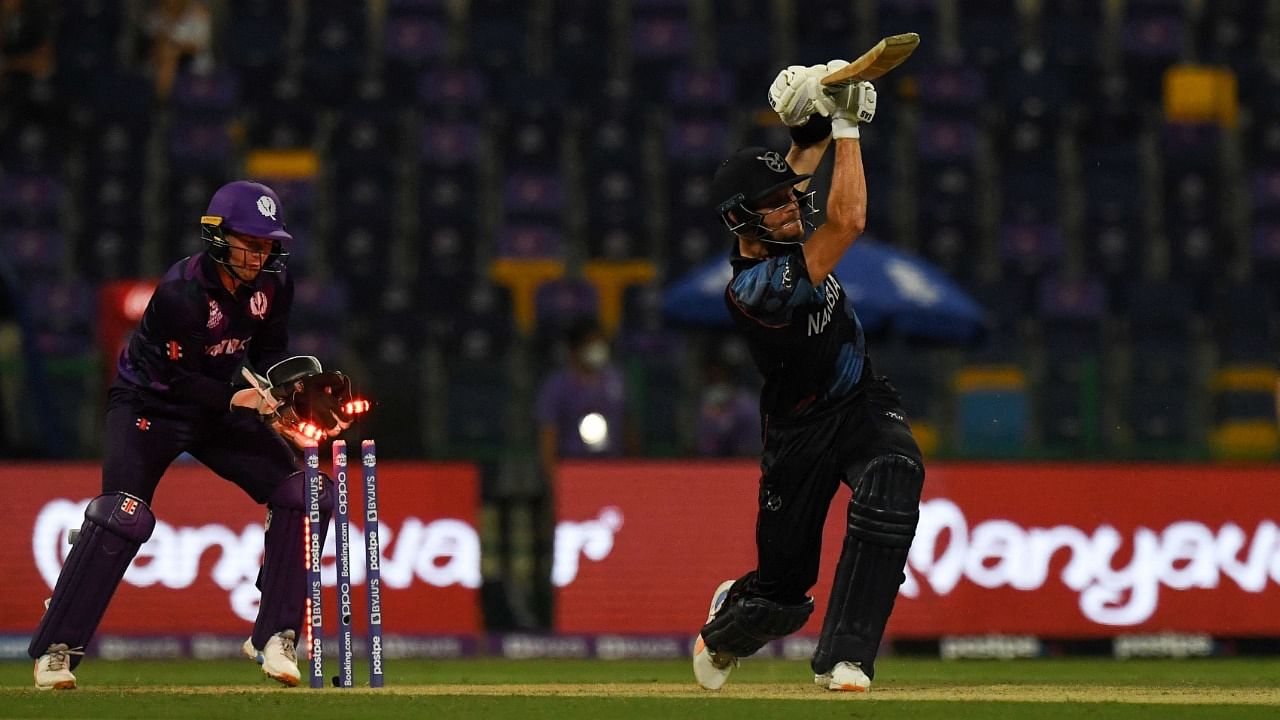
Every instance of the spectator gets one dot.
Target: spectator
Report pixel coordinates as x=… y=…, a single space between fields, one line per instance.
x=582 y=407
x=728 y=415
x=179 y=33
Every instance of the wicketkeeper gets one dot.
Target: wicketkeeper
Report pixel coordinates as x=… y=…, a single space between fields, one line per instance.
x=212 y=314
x=827 y=417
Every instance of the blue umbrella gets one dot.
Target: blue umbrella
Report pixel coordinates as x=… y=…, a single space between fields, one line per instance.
x=890 y=290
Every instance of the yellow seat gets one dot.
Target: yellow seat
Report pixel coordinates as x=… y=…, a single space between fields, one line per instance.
x=523 y=277
x=1201 y=94
x=297 y=164
x=1245 y=440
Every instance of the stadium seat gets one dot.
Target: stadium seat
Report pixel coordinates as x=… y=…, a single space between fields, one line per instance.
x=992 y=410
x=1244 y=412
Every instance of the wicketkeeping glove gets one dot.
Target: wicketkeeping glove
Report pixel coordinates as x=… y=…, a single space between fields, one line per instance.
x=314 y=404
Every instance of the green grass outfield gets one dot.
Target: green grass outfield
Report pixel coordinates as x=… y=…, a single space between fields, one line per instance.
x=561 y=689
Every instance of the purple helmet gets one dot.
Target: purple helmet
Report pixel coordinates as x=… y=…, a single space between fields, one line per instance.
x=244 y=207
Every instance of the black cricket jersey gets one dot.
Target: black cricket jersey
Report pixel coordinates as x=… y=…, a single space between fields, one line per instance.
x=805 y=339
x=194 y=335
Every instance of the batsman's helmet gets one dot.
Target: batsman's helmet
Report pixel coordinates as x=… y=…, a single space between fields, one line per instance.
x=746 y=178
x=245 y=207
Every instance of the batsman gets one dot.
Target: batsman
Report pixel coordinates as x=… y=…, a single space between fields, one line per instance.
x=213 y=317
x=828 y=418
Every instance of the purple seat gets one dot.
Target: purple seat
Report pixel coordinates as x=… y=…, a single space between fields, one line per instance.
x=1071 y=298
x=530 y=241
x=1190 y=146
x=697 y=141
x=1264 y=191
x=946 y=140
x=1266 y=243
x=660 y=37
x=1027 y=248
x=701 y=88
x=30 y=199
x=952 y=87
x=319 y=298
x=558 y=302
x=33 y=250
x=414 y=40
x=534 y=194
x=452 y=88
x=64 y=313
x=218 y=90
x=297 y=196
x=1155 y=37
x=449 y=144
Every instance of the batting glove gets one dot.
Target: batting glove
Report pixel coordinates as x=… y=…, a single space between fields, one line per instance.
x=854 y=104
x=795 y=93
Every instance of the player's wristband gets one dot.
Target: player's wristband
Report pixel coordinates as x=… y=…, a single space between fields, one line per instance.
x=812 y=132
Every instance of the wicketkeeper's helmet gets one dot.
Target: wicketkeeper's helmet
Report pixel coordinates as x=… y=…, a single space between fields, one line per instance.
x=245 y=207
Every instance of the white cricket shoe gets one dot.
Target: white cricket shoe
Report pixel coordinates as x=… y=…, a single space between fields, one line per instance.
x=280 y=658
x=711 y=670
x=250 y=651
x=53 y=669
x=845 y=676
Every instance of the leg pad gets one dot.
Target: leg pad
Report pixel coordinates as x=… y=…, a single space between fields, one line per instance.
x=283 y=579
x=744 y=625
x=883 y=514
x=115 y=526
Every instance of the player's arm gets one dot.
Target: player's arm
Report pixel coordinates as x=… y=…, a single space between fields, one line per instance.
x=847 y=200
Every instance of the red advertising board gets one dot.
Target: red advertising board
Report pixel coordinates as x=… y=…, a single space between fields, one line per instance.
x=1047 y=550
x=197 y=573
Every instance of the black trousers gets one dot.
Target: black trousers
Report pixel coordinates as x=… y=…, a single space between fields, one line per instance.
x=803 y=464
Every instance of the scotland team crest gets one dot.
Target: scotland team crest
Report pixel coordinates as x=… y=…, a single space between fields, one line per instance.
x=258 y=305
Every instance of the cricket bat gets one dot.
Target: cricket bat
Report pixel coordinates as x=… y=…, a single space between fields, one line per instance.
x=886 y=55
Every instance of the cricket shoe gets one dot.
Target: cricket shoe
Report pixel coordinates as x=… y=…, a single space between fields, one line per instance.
x=53 y=669
x=251 y=652
x=845 y=676
x=710 y=669
x=280 y=658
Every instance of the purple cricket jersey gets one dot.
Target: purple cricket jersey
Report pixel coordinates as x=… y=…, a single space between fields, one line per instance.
x=567 y=396
x=194 y=335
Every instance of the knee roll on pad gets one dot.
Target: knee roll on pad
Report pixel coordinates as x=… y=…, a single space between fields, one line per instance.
x=744 y=626
x=115 y=526
x=886 y=501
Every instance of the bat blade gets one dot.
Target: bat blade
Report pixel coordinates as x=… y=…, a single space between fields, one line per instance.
x=886 y=55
